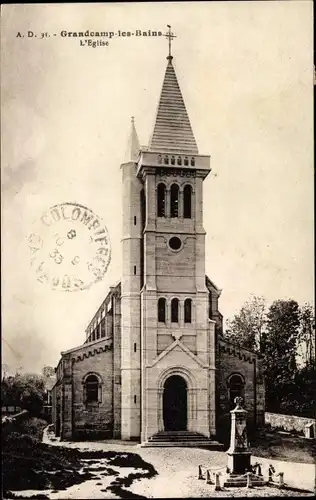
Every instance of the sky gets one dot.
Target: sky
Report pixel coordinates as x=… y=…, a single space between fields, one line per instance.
x=246 y=73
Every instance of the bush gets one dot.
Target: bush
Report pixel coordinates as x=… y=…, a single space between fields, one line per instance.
x=30 y=428
x=33 y=427
x=25 y=460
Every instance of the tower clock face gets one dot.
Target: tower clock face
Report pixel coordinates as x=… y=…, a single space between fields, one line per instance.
x=175 y=243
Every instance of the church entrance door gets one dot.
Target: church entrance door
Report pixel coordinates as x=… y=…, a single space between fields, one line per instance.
x=175 y=404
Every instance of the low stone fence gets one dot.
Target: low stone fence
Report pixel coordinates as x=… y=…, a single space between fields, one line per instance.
x=289 y=422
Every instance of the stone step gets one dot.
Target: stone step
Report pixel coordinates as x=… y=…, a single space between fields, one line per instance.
x=175 y=439
x=188 y=439
x=214 y=445
x=178 y=433
x=178 y=436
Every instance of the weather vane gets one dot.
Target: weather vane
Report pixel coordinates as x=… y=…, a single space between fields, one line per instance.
x=170 y=37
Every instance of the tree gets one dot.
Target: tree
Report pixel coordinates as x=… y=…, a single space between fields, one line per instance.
x=25 y=390
x=9 y=393
x=304 y=397
x=278 y=334
x=246 y=328
x=279 y=346
x=48 y=371
x=307 y=334
x=5 y=370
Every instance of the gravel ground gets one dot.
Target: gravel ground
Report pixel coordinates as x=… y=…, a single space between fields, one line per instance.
x=177 y=474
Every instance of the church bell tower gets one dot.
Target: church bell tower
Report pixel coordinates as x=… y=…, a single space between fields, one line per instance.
x=164 y=295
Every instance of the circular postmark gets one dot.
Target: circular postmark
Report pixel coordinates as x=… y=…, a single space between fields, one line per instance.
x=70 y=247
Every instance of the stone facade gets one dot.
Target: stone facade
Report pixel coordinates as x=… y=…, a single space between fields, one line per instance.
x=234 y=361
x=75 y=417
x=154 y=358
x=207 y=369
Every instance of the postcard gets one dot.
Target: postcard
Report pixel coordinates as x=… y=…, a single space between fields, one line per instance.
x=158 y=331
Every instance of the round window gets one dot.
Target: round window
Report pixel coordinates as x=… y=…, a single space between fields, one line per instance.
x=175 y=243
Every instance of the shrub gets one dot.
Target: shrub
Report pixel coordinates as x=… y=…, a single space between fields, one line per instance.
x=34 y=427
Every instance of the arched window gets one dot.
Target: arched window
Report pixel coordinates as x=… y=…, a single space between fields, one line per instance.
x=236 y=388
x=187 y=310
x=166 y=160
x=159 y=159
x=187 y=202
x=92 y=388
x=161 y=200
x=186 y=161
x=173 y=160
x=174 y=200
x=179 y=160
x=192 y=162
x=175 y=311
x=162 y=310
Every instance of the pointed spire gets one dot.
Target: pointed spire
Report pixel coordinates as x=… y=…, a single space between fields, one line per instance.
x=172 y=130
x=133 y=146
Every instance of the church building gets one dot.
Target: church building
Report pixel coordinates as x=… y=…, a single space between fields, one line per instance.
x=154 y=362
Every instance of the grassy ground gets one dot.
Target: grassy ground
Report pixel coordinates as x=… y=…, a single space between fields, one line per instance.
x=29 y=464
x=284 y=447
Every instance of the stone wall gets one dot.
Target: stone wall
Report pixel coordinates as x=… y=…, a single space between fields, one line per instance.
x=56 y=400
x=288 y=422
x=116 y=365
x=74 y=417
x=231 y=360
x=93 y=419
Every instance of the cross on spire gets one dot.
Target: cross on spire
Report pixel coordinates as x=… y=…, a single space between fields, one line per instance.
x=170 y=36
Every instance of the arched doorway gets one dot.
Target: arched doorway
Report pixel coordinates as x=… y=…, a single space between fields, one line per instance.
x=175 y=414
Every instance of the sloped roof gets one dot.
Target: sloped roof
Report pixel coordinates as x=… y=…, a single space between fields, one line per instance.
x=113 y=289
x=133 y=146
x=210 y=284
x=172 y=130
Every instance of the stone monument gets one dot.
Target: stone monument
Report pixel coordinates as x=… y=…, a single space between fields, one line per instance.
x=238 y=453
x=239 y=467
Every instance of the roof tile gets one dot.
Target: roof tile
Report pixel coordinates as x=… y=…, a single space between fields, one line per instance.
x=172 y=130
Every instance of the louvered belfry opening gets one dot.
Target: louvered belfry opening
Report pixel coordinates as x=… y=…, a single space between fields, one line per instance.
x=172 y=130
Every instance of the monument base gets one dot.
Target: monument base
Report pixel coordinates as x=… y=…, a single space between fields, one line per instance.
x=237 y=480
x=238 y=462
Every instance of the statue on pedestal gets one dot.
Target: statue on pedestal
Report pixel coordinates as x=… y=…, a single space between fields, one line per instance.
x=239 y=454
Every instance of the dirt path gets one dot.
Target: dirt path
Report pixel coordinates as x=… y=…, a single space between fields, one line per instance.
x=184 y=461
x=176 y=474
